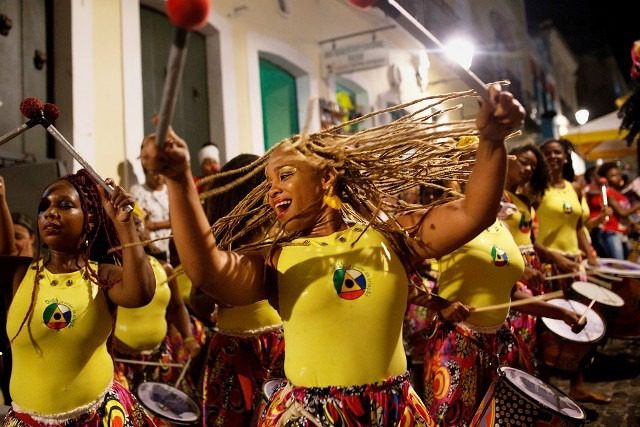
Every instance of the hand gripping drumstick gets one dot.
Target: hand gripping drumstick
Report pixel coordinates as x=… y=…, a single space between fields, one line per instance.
x=186 y=15
x=49 y=113
x=30 y=108
x=579 y=326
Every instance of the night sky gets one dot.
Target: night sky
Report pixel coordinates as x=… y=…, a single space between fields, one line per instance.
x=590 y=26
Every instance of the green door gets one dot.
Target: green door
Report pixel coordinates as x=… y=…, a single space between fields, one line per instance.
x=279 y=103
x=191 y=117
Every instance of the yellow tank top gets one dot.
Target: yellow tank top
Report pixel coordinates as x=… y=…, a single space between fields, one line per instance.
x=519 y=222
x=248 y=319
x=67 y=364
x=482 y=273
x=558 y=216
x=342 y=309
x=184 y=284
x=144 y=328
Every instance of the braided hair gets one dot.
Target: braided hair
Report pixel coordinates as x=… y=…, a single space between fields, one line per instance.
x=98 y=235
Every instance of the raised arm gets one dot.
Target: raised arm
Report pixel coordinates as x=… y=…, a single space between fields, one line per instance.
x=451 y=225
x=134 y=282
x=230 y=277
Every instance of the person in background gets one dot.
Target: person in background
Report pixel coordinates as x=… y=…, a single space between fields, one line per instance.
x=610 y=237
x=22 y=225
x=209 y=161
x=153 y=198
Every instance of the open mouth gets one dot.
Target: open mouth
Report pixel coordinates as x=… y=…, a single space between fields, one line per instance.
x=282 y=207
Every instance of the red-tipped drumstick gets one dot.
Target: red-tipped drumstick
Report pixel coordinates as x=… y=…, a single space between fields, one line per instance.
x=45 y=116
x=30 y=108
x=186 y=15
x=605 y=200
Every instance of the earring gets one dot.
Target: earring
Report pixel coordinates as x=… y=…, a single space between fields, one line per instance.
x=332 y=200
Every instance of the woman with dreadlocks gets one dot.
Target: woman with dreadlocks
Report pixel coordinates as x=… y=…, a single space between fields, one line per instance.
x=339 y=251
x=63 y=309
x=248 y=346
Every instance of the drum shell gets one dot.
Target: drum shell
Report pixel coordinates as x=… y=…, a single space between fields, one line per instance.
x=505 y=405
x=561 y=353
x=624 y=322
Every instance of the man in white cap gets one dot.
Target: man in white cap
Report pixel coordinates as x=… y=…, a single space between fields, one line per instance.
x=209 y=159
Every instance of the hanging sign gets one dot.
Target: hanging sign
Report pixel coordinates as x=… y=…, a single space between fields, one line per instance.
x=355 y=57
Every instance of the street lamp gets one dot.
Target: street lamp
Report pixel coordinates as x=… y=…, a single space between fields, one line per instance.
x=582 y=116
x=460 y=50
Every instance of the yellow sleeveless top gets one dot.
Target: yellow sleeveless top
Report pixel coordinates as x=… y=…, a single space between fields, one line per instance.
x=558 y=216
x=482 y=273
x=144 y=328
x=342 y=309
x=184 y=284
x=519 y=223
x=67 y=364
x=250 y=319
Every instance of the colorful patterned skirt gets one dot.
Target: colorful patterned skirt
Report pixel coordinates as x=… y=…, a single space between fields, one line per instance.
x=460 y=365
x=389 y=403
x=233 y=376
x=131 y=375
x=118 y=408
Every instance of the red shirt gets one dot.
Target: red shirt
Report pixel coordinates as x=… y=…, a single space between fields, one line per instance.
x=594 y=199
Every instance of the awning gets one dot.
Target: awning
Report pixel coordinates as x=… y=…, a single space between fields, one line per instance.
x=600 y=139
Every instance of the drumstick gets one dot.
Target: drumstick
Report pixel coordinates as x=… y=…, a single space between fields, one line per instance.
x=599 y=282
x=184 y=371
x=605 y=201
x=563 y=276
x=581 y=323
x=608 y=277
x=543 y=297
x=185 y=16
x=142 y=362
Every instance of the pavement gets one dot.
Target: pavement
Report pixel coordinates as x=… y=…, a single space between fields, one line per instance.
x=615 y=371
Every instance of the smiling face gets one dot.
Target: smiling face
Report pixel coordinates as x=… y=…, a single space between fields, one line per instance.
x=555 y=155
x=522 y=167
x=296 y=189
x=60 y=217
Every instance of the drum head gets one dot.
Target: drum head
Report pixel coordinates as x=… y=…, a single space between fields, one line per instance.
x=592 y=332
x=617 y=267
x=168 y=402
x=542 y=393
x=269 y=387
x=598 y=293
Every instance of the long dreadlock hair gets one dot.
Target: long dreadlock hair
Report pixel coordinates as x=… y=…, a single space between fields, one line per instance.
x=372 y=166
x=98 y=235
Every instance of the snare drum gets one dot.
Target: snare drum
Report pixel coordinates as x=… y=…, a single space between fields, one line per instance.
x=518 y=398
x=563 y=349
x=169 y=403
x=625 y=321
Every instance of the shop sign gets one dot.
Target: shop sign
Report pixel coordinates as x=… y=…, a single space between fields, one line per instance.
x=356 y=57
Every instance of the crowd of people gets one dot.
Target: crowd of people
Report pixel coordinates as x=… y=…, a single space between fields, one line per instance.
x=337 y=280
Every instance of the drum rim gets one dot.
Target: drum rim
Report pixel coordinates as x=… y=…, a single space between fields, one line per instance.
x=503 y=375
x=604 y=329
x=599 y=287
x=615 y=271
x=180 y=422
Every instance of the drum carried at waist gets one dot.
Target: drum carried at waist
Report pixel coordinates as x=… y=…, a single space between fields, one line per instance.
x=168 y=402
x=563 y=349
x=624 y=279
x=518 y=398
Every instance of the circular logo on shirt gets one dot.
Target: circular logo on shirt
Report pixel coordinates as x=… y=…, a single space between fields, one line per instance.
x=499 y=256
x=57 y=316
x=524 y=226
x=349 y=283
x=567 y=208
